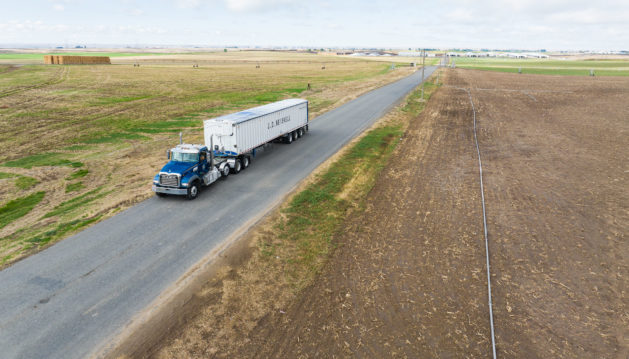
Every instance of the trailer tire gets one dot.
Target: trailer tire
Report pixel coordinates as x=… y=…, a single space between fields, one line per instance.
x=245 y=162
x=295 y=136
x=289 y=138
x=300 y=132
x=193 y=190
x=237 y=167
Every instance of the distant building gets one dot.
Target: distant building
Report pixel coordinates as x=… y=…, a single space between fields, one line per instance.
x=409 y=53
x=536 y=56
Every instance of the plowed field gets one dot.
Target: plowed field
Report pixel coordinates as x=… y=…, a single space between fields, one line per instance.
x=408 y=279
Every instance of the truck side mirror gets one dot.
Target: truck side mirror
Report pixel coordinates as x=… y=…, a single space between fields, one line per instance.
x=168 y=154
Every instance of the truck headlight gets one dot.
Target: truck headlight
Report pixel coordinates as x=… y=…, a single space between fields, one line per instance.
x=184 y=185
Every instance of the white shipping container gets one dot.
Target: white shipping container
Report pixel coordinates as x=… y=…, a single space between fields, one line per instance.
x=241 y=132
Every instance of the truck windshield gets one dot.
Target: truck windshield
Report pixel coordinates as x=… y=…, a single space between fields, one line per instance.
x=185 y=157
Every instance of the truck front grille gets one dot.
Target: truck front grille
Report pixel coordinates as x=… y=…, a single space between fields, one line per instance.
x=169 y=180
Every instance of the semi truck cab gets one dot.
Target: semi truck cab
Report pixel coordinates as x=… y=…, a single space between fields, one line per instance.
x=190 y=168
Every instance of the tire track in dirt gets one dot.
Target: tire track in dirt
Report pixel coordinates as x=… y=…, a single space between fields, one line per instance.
x=61 y=76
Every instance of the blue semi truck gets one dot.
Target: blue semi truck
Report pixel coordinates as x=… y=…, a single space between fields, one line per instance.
x=230 y=142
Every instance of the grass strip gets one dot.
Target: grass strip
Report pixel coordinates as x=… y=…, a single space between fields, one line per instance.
x=21 y=182
x=76 y=202
x=78 y=174
x=114 y=100
x=42 y=159
x=25 y=182
x=61 y=230
x=73 y=187
x=543 y=71
x=19 y=207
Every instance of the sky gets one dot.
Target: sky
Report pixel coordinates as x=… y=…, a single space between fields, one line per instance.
x=506 y=24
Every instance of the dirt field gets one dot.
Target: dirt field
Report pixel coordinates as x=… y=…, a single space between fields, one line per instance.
x=408 y=279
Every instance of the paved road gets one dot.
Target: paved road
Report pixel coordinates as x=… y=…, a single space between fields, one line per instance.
x=65 y=301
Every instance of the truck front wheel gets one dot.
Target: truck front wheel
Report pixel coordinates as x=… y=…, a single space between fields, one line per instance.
x=193 y=190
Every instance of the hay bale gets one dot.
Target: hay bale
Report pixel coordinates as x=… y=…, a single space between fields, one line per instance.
x=77 y=60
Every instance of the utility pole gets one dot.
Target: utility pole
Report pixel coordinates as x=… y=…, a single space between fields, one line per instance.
x=423 y=67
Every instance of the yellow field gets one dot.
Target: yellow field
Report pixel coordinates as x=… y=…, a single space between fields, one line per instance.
x=80 y=143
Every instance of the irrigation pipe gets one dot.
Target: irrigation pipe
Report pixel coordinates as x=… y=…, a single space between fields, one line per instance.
x=482 y=196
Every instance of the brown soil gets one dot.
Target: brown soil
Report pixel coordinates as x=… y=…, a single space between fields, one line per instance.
x=408 y=279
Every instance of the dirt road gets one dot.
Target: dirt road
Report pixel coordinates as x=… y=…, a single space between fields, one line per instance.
x=408 y=279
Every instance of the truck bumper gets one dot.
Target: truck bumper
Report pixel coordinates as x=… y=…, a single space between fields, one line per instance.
x=169 y=190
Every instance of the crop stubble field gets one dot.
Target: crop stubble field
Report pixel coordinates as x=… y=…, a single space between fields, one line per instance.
x=80 y=143
x=408 y=278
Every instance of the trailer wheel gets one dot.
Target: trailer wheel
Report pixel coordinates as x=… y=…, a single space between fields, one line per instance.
x=289 y=138
x=245 y=162
x=300 y=132
x=295 y=137
x=237 y=167
x=193 y=190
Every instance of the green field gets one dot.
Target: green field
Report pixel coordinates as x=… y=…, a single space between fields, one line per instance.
x=547 y=66
x=91 y=137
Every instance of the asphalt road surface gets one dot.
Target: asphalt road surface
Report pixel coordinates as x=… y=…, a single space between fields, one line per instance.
x=70 y=299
